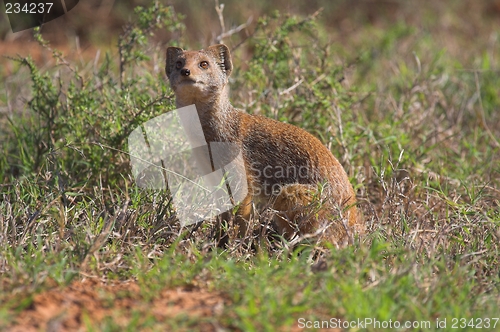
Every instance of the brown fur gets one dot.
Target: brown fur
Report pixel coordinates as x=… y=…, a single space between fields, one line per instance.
x=272 y=152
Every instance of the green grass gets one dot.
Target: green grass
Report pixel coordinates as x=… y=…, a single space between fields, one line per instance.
x=414 y=122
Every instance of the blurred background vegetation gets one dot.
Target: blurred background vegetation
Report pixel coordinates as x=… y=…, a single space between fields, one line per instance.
x=453 y=23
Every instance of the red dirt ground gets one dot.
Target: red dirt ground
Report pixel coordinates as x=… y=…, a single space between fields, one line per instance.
x=67 y=309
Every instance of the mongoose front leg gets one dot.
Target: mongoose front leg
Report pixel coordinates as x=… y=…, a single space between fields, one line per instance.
x=243 y=214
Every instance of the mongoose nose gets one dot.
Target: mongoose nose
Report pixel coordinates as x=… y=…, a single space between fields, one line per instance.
x=185 y=72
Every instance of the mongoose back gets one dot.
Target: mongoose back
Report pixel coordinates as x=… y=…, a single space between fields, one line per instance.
x=286 y=167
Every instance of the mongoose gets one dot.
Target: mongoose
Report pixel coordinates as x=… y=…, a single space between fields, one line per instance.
x=286 y=167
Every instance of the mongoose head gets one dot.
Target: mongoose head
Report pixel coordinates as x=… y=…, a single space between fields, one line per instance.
x=198 y=75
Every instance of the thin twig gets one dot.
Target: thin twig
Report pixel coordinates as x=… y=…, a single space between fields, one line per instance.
x=219 y=38
x=219 y=9
x=293 y=87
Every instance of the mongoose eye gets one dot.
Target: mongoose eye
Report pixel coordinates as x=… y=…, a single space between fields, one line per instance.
x=178 y=64
x=204 y=64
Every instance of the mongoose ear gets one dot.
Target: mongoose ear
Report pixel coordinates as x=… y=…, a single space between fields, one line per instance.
x=223 y=56
x=172 y=54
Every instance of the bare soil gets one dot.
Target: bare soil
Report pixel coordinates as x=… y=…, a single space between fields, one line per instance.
x=69 y=308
